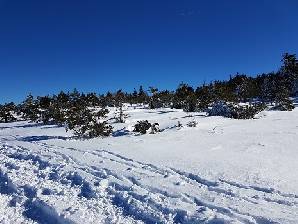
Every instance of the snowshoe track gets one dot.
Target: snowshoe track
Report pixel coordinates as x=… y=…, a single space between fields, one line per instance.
x=135 y=190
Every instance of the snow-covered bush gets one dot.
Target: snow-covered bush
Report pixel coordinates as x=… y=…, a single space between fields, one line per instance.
x=7 y=113
x=284 y=105
x=142 y=127
x=154 y=128
x=246 y=111
x=192 y=124
x=220 y=108
x=179 y=124
x=119 y=114
x=88 y=124
x=236 y=111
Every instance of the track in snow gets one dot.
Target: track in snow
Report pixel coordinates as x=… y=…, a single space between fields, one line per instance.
x=103 y=186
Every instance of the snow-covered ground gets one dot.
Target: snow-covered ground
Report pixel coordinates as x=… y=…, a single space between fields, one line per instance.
x=222 y=171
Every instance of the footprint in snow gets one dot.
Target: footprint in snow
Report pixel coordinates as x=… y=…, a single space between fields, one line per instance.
x=180 y=183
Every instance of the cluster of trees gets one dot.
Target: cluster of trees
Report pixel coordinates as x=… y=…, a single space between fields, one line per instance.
x=7 y=113
x=75 y=111
x=274 y=88
x=85 y=113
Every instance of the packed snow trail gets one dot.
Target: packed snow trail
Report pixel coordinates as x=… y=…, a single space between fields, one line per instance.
x=113 y=188
x=38 y=191
x=45 y=179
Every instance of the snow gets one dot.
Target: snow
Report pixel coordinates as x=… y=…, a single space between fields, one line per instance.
x=221 y=171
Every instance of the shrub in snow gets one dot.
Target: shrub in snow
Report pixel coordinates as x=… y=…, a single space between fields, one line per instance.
x=154 y=128
x=247 y=111
x=7 y=113
x=87 y=123
x=120 y=116
x=236 y=111
x=29 y=109
x=284 y=105
x=142 y=127
x=179 y=125
x=192 y=124
x=220 y=109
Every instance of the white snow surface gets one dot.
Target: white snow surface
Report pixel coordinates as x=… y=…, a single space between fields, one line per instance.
x=222 y=171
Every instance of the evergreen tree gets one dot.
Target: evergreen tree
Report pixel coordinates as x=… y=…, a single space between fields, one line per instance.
x=282 y=95
x=142 y=96
x=134 y=96
x=204 y=95
x=92 y=100
x=165 y=98
x=119 y=100
x=7 y=112
x=289 y=70
x=45 y=109
x=60 y=106
x=185 y=98
x=29 y=109
x=153 y=98
x=86 y=123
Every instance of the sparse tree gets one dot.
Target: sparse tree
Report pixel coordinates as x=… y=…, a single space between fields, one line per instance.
x=7 y=112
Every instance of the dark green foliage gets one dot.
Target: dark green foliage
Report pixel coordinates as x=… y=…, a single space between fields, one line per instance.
x=29 y=109
x=275 y=88
x=87 y=123
x=73 y=109
x=133 y=97
x=142 y=127
x=191 y=103
x=185 y=98
x=192 y=124
x=119 y=100
x=7 y=113
x=45 y=109
x=120 y=115
x=220 y=108
x=204 y=96
x=142 y=96
x=92 y=100
x=290 y=71
x=236 y=111
x=165 y=98
x=284 y=105
x=154 y=100
x=154 y=128
x=246 y=111
x=70 y=110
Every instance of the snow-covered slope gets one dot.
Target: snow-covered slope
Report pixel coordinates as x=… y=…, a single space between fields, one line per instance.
x=222 y=171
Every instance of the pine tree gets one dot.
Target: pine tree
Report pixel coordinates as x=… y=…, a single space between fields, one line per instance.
x=119 y=100
x=142 y=127
x=203 y=93
x=165 y=98
x=282 y=95
x=142 y=96
x=289 y=70
x=45 y=109
x=29 y=108
x=59 y=107
x=153 y=98
x=7 y=112
x=185 y=98
x=86 y=123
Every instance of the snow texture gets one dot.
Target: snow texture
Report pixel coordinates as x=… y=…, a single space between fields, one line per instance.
x=220 y=171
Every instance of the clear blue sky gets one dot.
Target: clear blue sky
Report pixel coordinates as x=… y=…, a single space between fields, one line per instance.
x=99 y=45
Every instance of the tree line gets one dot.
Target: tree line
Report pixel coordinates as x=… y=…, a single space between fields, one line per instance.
x=85 y=114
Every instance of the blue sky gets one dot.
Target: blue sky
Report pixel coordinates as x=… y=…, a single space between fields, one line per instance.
x=99 y=45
